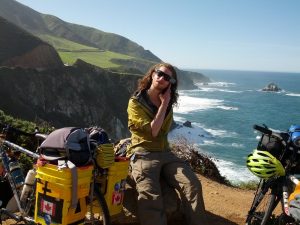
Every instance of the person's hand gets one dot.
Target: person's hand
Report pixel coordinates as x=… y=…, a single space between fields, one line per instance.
x=165 y=97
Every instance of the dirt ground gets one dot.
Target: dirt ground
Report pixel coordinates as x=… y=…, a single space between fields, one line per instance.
x=225 y=205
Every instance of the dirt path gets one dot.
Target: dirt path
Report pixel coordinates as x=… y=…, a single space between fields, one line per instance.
x=225 y=205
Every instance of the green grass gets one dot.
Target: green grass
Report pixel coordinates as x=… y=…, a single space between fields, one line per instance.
x=100 y=58
x=70 y=51
x=64 y=44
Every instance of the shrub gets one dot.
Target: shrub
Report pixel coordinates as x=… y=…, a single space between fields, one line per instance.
x=200 y=163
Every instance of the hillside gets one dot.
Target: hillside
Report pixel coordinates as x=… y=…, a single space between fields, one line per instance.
x=36 y=86
x=108 y=50
x=20 y=48
x=38 y=23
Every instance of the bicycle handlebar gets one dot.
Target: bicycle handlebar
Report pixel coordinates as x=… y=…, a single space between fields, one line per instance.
x=267 y=131
x=10 y=129
x=21 y=149
x=264 y=130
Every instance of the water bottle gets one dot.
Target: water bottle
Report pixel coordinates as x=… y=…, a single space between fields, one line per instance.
x=28 y=186
x=16 y=173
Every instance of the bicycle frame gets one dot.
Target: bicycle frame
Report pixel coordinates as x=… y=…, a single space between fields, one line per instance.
x=5 y=160
x=275 y=189
x=23 y=208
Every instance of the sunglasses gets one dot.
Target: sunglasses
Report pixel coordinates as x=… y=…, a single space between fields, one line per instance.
x=165 y=76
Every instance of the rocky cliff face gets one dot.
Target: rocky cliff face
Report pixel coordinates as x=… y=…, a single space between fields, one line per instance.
x=82 y=95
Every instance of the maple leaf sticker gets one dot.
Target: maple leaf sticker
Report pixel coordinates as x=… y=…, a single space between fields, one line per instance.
x=48 y=207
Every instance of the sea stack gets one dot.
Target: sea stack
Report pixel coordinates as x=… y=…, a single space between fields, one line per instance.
x=271 y=87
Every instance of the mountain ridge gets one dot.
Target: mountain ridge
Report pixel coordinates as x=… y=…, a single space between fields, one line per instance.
x=38 y=24
x=82 y=94
x=26 y=51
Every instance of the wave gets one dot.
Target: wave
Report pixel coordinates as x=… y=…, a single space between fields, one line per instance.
x=221 y=84
x=293 y=94
x=213 y=89
x=218 y=132
x=234 y=173
x=200 y=136
x=189 y=104
x=228 y=108
x=214 y=143
x=275 y=92
x=193 y=134
x=216 y=86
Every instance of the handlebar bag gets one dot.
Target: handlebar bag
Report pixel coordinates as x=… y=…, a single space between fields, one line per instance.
x=70 y=143
x=271 y=144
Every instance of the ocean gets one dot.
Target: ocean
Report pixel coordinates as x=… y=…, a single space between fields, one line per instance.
x=223 y=112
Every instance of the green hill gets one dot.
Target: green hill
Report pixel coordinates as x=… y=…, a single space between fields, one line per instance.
x=41 y=24
x=94 y=46
x=20 y=48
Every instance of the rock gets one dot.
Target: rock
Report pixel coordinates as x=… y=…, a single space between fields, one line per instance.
x=187 y=124
x=272 y=87
x=171 y=201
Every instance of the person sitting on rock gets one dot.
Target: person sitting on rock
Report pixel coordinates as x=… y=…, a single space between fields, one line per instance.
x=150 y=115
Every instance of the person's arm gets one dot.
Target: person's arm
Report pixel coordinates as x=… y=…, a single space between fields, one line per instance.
x=160 y=115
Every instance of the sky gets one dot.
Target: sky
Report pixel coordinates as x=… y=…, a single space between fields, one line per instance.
x=257 y=35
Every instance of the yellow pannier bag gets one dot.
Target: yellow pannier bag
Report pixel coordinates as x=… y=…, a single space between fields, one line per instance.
x=54 y=195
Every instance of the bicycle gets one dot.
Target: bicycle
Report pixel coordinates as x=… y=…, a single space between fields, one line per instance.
x=25 y=208
x=274 y=189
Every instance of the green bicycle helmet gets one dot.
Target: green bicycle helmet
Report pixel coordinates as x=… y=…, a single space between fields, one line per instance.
x=264 y=165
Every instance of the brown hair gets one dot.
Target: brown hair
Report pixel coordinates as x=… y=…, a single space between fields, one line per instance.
x=146 y=81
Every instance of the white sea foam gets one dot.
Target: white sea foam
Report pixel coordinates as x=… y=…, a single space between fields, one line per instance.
x=179 y=119
x=228 y=108
x=214 y=143
x=218 y=132
x=213 y=89
x=234 y=173
x=293 y=94
x=187 y=104
x=194 y=135
x=199 y=136
x=216 y=86
x=221 y=84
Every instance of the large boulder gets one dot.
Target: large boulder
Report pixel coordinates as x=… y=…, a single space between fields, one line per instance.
x=271 y=87
x=171 y=201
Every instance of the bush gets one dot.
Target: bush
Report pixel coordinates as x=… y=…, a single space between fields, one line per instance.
x=200 y=163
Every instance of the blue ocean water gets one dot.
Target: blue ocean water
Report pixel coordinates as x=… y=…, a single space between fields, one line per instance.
x=224 y=111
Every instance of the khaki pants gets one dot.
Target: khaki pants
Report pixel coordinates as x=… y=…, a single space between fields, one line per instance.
x=146 y=171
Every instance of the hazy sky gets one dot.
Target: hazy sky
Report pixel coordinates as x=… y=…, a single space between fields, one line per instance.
x=206 y=34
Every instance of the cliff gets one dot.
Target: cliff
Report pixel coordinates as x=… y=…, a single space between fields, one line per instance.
x=82 y=95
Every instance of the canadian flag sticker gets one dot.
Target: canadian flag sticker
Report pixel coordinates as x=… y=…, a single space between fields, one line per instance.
x=117 y=198
x=48 y=207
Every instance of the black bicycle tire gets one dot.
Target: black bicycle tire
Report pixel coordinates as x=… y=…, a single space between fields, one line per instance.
x=271 y=203
x=103 y=205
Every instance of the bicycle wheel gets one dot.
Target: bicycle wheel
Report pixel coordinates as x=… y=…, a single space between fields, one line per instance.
x=263 y=205
x=98 y=212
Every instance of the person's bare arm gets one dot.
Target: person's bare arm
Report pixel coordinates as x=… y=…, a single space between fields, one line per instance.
x=160 y=115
